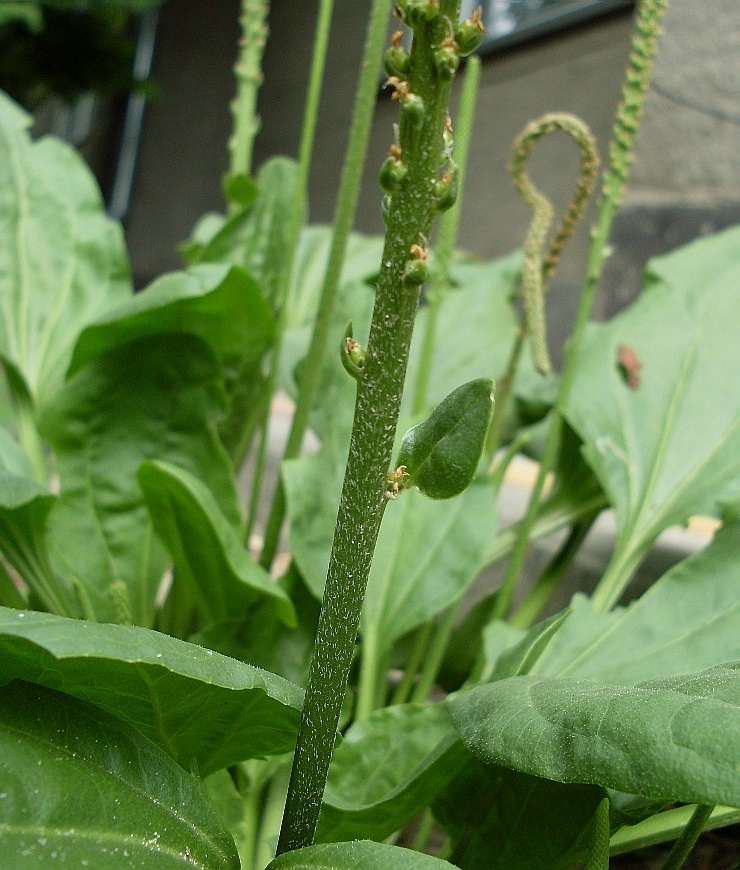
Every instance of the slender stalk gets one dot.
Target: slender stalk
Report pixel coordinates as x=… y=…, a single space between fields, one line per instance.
x=649 y=17
x=504 y=389
x=666 y=826
x=418 y=654
x=685 y=843
x=551 y=577
x=425 y=829
x=448 y=229
x=436 y=653
x=272 y=812
x=308 y=136
x=367 y=688
x=349 y=189
x=248 y=74
x=409 y=214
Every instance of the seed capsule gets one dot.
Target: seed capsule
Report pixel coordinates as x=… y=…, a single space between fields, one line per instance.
x=413 y=108
x=417 y=13
x=445 y=190
x=446 y=61
x=392 y=173
x=469 y=33
x=396 y=59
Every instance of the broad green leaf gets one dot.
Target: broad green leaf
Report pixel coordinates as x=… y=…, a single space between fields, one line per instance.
x=81 y=788
x=677 y=738
x=388 y=769
x=157 y=398
x=178 y=695
x=359 y=855
x=256 y=238
x=688 y=620
x=234 y=811
x=206 y=549
x=219 y=303
x=474 y=331
x=428 y=554
x=428 y=551
x=441 y=454
x=502 y=818
x=670 y=448
x=262 y=638
x=240 y=189
x=522 y=657
x=63 y=262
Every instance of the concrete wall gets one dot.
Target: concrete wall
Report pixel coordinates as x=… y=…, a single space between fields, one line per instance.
x=686 y=177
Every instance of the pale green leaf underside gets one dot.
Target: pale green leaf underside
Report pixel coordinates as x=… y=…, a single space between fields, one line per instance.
x=672 y=739
x=159 y=397
x=177 y=694
x=221 y=304
x=64 y=261
x=688 y=621
x=207 y=550
x=670 y=448
x=78 y=787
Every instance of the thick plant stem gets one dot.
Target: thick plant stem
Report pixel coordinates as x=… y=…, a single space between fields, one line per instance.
x=409 y=217
x=248 y=74
x=649 y=17
x=685 y=843
x=343 y=219
x=448 y=229
x=308 y=136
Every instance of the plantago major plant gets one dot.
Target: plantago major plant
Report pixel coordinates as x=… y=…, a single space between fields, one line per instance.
x=183 y=686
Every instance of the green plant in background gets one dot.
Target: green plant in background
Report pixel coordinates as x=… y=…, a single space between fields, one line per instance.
x=154 y=669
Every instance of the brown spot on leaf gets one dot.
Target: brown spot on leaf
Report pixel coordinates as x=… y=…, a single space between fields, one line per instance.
x=629 y=366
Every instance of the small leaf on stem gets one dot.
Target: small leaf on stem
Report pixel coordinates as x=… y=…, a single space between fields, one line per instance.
x=440 y=455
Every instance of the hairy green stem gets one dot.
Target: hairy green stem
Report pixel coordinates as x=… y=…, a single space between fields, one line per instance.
x=409 y=216
x=248 y=74
x=305 y=153
x=690 y=834
x=649 y=16
x=349 y=189
x=448 y=229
